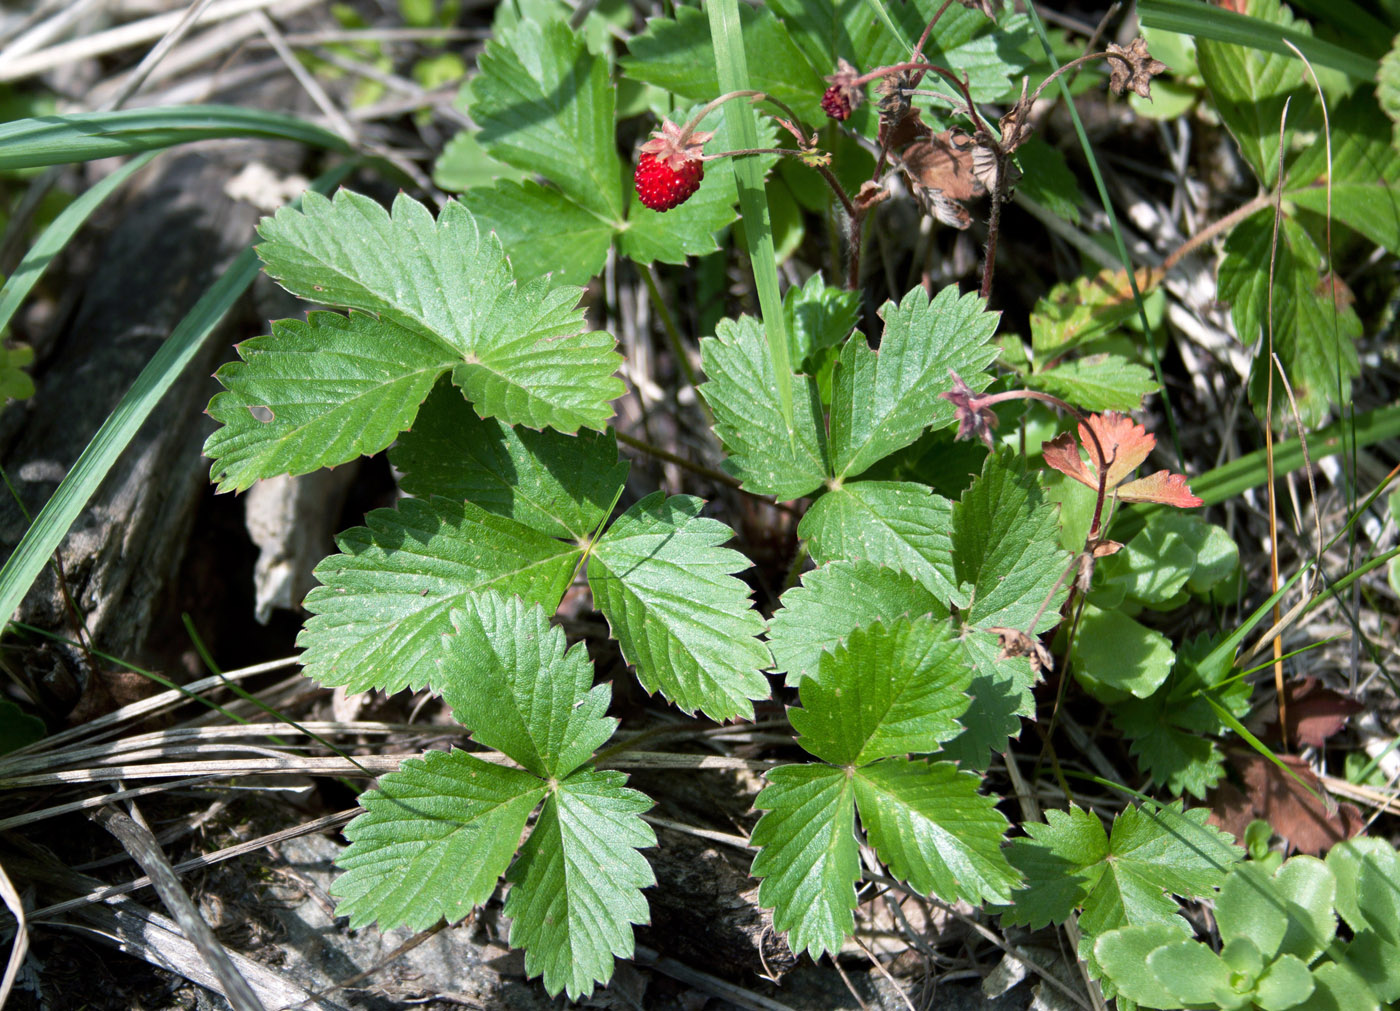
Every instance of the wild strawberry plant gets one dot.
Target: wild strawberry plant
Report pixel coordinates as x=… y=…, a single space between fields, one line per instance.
x=942 y=571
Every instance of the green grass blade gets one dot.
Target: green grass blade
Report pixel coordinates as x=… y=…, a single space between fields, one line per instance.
x=83 y=136
x=1192 y=17
x=56 y=236
x=49 y=527
x=732 y=65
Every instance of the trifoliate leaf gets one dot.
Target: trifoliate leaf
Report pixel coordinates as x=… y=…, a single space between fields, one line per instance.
x=807 y=856
x=1170 y=729
x=542 y=230
x=764 y=453
x=1001 y=695
x=887 y=690
x=677 y=55
x=895 y=523
x=1251 y=85
x=1115 y=656
x=934 y=830
x=508 y=679
x=316 y=394
x=1120 y=879
x=464 y=163
x=1101 y=382
x=819 y=319
x=832 y=602
x=378 y=618
x=521 y=354
x=1365 y=172
x=576 y=885
x=1006 y=554
x=668 y=591
x=434 y=838
x=545 y=105
x=883 y=400
x=554 y=483
x=1314 y=329
x=964 y=41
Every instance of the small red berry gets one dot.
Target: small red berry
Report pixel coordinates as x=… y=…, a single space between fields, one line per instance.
x=669 y=169
x=661 y=187
x=835 y=103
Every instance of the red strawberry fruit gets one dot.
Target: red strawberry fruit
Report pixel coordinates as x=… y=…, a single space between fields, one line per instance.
x=669 y=169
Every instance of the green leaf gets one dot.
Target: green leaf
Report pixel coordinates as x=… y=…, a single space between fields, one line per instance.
x=764 y=453
x=542 y=230
x=668 y=591
x=832 y=602
x=887 y=690
x=508 y=679
x=1102 y=382
x=1123 y=955
x=883 y=400
x=1314 y=337
x=1121 y=879
x=378 y=618
x=545 y=105
x=1114 y=655
x=1388 y=85
x=1194 y=973
x=807 y=857
x=1046 y=178
x=464 y=164
x=1377 y=962
x=1365 y=173
x=17 y=728
x=1001 y=691
x=1250 y=87
x=1287 y=913
x=899 y=524
x=1083 y=310
x=1154 y=565
x=964 y=40
x=1367 y=872
x=316 y=394
x=435 y=837
x=676 y=55
x=1285 y=984
x=576 y=885
x=1006 y=554
x=820 y=318
x=522 y=354
x=934 y=830
x=1337 y=987
x=558 y=484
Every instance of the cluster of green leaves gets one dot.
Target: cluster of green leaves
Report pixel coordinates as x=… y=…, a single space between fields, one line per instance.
x=1280 y=949
x=543 y=170
x=1312 y=325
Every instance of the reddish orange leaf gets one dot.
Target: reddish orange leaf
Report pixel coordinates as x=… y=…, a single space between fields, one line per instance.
x=1126 y=444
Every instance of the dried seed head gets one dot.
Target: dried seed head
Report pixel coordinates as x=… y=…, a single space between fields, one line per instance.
x=1132 y=67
